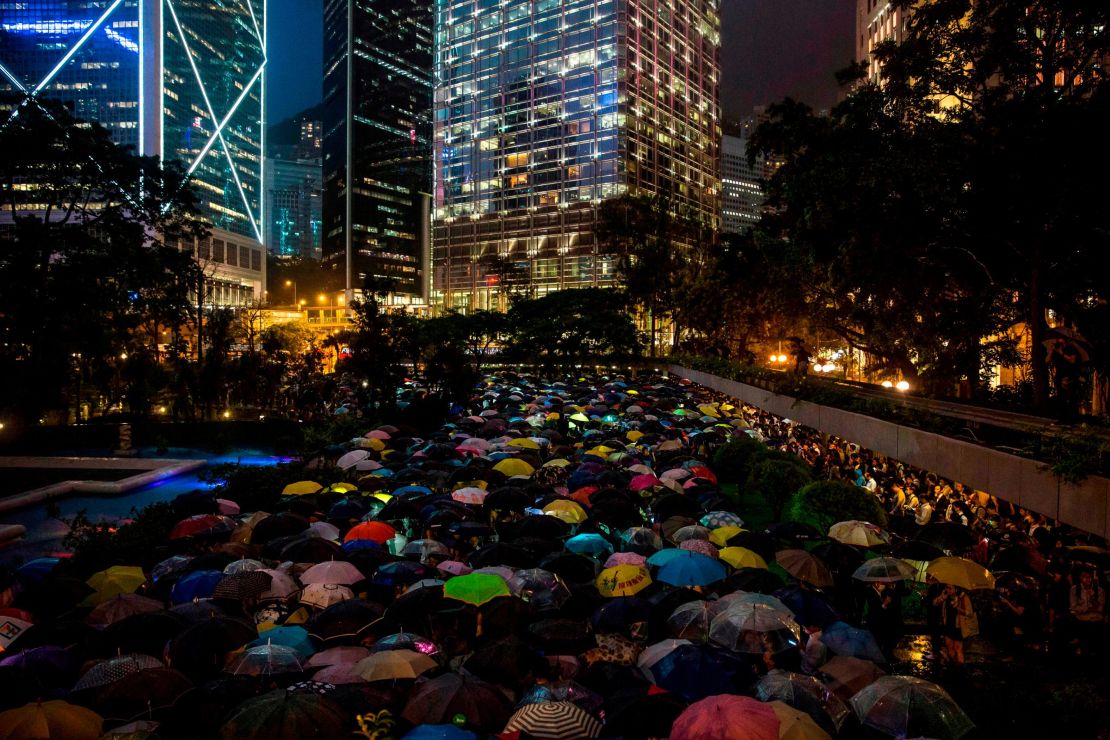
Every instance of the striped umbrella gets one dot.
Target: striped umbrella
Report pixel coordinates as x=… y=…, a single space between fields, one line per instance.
x=553 y=720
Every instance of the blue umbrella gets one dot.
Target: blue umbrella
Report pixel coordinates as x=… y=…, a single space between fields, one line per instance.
x=35 y=571
x=663 y=557
x=619 y=614
x=589 y=544
x=696 y=570
x=809 y=607
x=421 y=490
x=197 y=585
x=438 y=732
x=844 y=639
x=295 y=638
x=697 y=671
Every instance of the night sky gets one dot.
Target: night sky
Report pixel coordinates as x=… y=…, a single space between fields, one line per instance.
x=770 y=49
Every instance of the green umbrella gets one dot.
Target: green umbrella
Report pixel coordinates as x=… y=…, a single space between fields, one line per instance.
x=476 y=588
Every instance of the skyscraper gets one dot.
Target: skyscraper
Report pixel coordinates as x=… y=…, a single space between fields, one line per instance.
x=293 y=208
x=877 y=21
x=182 y=79
x=377 y=142
x=742 y=196
x=545 y=108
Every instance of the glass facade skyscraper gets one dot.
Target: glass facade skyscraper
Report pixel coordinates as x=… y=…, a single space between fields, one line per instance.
x=377 y=142
x=182 y=79
x=545 y=108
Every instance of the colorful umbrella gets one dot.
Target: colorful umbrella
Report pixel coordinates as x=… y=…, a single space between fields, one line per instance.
x=119 y=579
x=721 y=535
x=904 y=706
x=805 y=567
x=291 y=636
x=196 y=585
x=694 y=570
x=623 y=580
x=961 y=572
x=553 y=720
x=861 y=534
x=476 y=588
x=625 y=558
x=844 y=639
x=50 y=720
x=566 y=510
x=588 y=544
x=394 y=664
x=201 y=524
x=332 y=571
x=741 y=557
x=726 y=717
x=301 y=488
x=795 y=724
x=323 y=595
x=120 y=607
x=470 y=495
x=373 y=531
x=513 y=466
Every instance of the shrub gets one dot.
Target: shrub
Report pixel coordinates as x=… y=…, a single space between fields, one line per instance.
x=732 y=461
x=777 y=480
x=99 y=546
x=824 y=503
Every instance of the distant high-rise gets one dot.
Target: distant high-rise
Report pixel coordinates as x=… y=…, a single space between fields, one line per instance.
x=742 y=195
x=182 y=79
x=377 y=142
x=293 y=208
x=546 y=108
x=877 y=21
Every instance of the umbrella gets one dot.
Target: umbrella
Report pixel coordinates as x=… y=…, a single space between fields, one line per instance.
x=244 y=585
x=795 y=724
x=276 y=526
x=805 y=567
x=690 y=532
x=146 y=633
x=113 y=669
x=424 y=549
x=589 y=544
x=120 y=607
x=201 y=524
x=809 y=607
x=702 y=547
x=476 y=588
x=697 y=671
x=553 y=720
x=844 y=639
x=805 y=693
x=655 y=652
x=323 y=595
x=511 y=466
x=291 y=636
x=332 y=571
x=244 y=565
x=846 y=675
x=625 y=558
x=374 y=531
x=690 y=621
x=350 y=459
x=566 y=510
x=623 y=580
x=344 y=621
x=50 y=720
x=140 y=693
x=718 y=519
x=469 y=495
x=754 y=579
x=634 y=712
x=726 y=717
x=394 y=664
x=285 y=715
x=197 y=585
x=861 y=534
x=950 y=536
x=917 y=551
x=755 y=629
x=441 y=698
x=885 y=570
x=301 y=488
x=904 y=706
x=540 y=588
x=961 y=572
x=119 y=579
x=282 y=586
x=694 y=570
x=200 y=651
x=266 y=660
x=741 y=557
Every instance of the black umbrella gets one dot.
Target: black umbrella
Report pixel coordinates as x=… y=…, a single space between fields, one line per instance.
x=508 y=662
x=760 y=543
x=401 y=573
x=621 y=614
x=916 y=550
x=344 y=623
x=277 y=525
x=754 y=579
x=142 y=692
x=311 y=550
x=201 y=650
x=635 y=713
x=540 y=526
x=949 y=536
x=438 y=700
x=140 y=633
x=842 y=559
x=502 y=554
x=571 y=568
x=561 y=636
x=412 y=610
x=507 y=499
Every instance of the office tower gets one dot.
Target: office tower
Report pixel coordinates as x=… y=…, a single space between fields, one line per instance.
x=741 y=186
x=877 y=21
x=293 y=207
x=182 y=79
x=377 y=143
x=546 y=108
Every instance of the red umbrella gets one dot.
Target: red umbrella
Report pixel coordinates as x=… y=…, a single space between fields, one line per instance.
x=200 y=524
x=726 y=717
x=374 y=531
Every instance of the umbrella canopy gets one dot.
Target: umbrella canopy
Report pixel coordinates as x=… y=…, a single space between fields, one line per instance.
x=266 y=660
x=805 y=567
x=690 y=621
x=109 y=671
x=374 y=531
x=120 y=607
x=196 y=585
x=285 y=715
x=844 y=639
x=741 y=557
x=441 y=698
x=755 y=629
x=323 y=595
x=50 y=720
x=961 y=572
x=589 y=544
x=344 y=622
x=726 y=717
x=476 y=588
x=201 y=650
x=511 y=466
x=845 y=675
x=805 y=693
x=885 y=570
x=243 y=585
x=795 y=724
x=861 y=534
x=566 y=510
x=697 y=671
x=809 y=607
x=119 y=579
x=623 y=580
x=141 y=693
x=693 y=570
x=201 y=524
x=553 y=720
x=393 y=664
x=469 y=495
x=301 y=488
x=904 y=706
x=332 y=571
x=290 y=636
x=717 y=519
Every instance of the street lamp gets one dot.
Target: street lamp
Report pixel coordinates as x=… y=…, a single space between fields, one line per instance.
x=293 y=284
x=321 y=299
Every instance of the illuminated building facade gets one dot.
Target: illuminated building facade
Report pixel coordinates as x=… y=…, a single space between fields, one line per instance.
x=182 y=79
x=546 y=108
x=877 y=21
x=377 y=143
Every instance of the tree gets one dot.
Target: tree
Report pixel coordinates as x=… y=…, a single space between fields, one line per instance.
x=381 y=344
x=732 y=461
x=570 y=327
x=777 y=480
x=85 y=270
x=824 y=503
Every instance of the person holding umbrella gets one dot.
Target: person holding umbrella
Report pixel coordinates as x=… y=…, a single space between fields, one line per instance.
x=958 y=621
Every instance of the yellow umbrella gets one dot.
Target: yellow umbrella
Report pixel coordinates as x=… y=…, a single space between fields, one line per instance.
x=721 y=535
x=634 y=435
x=742 y=557
x=341 y=487
x=524 y=443
x=794 y=724
x=557 y=463
x=708 y=409
x=601 y=451
x=374 y=444
x=301 y=488
x=512 y=466
x=623 y=580
x=47 y=720
x=553 y=416
x=119 y=579
x=579 y=417
x=569 y=511
x=966 y=574
x=385 y=498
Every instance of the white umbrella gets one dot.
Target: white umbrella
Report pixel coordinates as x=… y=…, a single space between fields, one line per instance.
x=323 y=595
x=351 y=459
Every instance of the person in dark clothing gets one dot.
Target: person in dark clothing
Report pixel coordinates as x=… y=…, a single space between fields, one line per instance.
x=801 y=357
x=932 y=616
x=884 y=616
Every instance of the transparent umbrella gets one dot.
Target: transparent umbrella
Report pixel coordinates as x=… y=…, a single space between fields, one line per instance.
x=267 y=660
x=691 y=620
x=755 y=628
x=807 y=694
x=904 y=706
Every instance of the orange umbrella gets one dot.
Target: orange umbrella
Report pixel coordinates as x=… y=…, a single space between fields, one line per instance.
x=374 y=531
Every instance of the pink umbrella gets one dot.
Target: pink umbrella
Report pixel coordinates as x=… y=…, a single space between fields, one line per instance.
x=332 y=571
x=228 y=508
x=641 y=482
x=726 y=717
x=344 y=655
x=625 y=558
x=282 y=586
x=675 y=474
x=700 y=546
x=469 y=495
x=338 y=674
x=378 y=434
x=454 y=568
